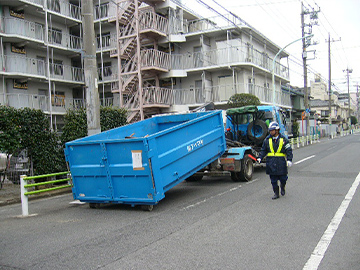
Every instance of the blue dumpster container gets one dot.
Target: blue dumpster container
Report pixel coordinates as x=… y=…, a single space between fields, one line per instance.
x=137 y=163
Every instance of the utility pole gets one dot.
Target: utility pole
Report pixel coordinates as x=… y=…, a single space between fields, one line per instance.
x=90 y=69
x=306 y=43
x=348 y=71
x=329 y=41
x=357 y=101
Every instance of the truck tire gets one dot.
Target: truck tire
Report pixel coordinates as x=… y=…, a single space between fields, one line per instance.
x=247 y=169
x=257 y=130
x=194 y=178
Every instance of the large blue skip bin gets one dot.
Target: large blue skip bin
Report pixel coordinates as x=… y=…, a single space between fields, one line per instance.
x=137 y=163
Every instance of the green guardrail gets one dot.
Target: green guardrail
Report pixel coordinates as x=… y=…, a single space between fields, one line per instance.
x=24 y=186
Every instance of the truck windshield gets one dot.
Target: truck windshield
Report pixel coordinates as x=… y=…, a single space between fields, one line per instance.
x=241 y=119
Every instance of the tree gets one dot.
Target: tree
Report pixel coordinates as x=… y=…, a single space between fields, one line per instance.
x=76 y=126
x=353 y=120
x=239 y=100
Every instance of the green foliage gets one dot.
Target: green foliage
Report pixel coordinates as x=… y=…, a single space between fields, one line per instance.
x=9 y=129
x=295 y=129
x=76 y=124
x=29 y=128
x=353 y=120
x=239 y=100
x=112 y=117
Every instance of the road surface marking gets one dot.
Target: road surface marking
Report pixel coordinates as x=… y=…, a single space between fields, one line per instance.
x=217 y=195
x=304 y=159
x=319 y=251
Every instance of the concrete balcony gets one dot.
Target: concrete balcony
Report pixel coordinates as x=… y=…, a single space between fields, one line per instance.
x=59 y=104
x=231 y=56
x=18 y=67
x=64 y=40
x=153 y=23
x=156 y=60
x=106 y=43
x=222 y=93
x=18 y=29
x=64 y=9
x=14 y=27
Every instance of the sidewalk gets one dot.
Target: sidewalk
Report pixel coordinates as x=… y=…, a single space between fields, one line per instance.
x=10 y=193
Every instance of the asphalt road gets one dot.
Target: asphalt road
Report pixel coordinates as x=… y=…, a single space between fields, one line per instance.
x=211 y=224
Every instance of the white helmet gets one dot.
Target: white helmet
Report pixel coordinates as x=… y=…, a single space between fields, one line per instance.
x=273 y=125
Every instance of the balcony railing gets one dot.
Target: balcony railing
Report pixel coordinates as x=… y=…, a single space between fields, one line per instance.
x=108 y=42
x=22 y=65
x=157 y=95
x=212 y=23
x=66 y=73
x=151 y=96
x=30 y=67
x=59 y=104
x=152 y=21
x=35 y=31
x=222 y=93
x=155 y=58
x=23 y=28
x=64 y=8
x=64 y=40
x=105 y=11
x=109 y=73
x=35 y=2
x=225 y=57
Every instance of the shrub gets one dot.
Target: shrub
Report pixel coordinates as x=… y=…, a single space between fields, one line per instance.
x=239 y=100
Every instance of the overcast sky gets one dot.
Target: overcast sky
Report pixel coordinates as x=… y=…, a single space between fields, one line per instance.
x=280 y=21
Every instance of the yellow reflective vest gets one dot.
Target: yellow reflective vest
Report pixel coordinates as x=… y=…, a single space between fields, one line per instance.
x=278 y=152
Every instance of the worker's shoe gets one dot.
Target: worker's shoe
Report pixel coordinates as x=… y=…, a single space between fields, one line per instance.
x=276 y=195
x=282 y=192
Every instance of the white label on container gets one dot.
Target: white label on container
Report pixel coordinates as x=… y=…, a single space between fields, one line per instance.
x=195 y=145
x=137 y=160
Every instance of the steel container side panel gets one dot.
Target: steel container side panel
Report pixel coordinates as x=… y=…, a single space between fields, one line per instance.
x=131 y=175
x=182 y=150
x=136 y=130
x=88 y=172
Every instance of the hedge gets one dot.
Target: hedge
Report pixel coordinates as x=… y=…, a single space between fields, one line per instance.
x=29 y=128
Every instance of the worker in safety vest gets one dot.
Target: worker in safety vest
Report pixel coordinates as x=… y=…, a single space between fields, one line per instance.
x=278 y=152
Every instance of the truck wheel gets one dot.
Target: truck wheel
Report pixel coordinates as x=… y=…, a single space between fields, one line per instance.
x=148 y=208
x=94 y=205
x=247 y=169
x=257 y=130
x=194 y=178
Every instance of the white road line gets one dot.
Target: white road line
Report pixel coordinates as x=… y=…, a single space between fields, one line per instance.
x=304 y=159
x=319 y=251
x=217 y=195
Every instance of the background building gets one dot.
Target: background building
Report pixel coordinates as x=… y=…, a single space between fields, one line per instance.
x=153 y=57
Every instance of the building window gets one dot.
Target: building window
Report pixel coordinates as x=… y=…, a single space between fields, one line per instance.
x=324 y=113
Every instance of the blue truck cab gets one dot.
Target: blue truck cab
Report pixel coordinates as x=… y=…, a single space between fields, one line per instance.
x=249 y=124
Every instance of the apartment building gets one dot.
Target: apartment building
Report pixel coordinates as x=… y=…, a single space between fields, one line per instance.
x=153 y=56
x=320 y=103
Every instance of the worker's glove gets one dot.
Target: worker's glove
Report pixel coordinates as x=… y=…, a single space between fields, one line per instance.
x=259 y=160
x=289 y=163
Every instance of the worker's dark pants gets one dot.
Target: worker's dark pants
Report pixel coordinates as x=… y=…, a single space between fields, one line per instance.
x=274 y=180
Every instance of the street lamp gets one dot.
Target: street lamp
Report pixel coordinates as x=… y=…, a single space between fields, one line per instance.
x=273 y=64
